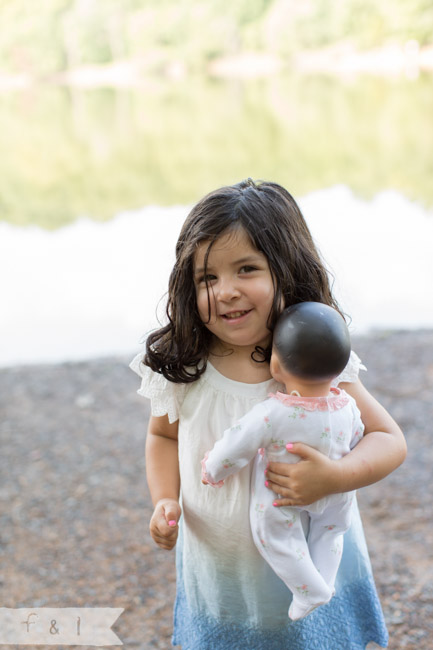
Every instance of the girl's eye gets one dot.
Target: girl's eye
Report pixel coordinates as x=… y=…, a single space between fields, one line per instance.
x=248 y=269
x=207 y=278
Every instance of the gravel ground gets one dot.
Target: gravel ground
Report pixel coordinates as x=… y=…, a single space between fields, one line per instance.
x=75 y=506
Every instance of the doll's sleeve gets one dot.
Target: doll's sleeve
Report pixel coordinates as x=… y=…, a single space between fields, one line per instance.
x=165 y=396
x=237 y=447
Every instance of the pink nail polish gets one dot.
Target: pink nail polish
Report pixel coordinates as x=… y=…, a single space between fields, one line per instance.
x=266 y=483
x=172 y=522
x=275 y=503
x=289 y=445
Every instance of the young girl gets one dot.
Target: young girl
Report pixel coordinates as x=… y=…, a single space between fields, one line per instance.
x=243 y=254
x=310 y=347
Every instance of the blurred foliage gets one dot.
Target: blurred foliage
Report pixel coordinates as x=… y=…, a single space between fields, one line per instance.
x=366 y=23
x=56 y=35
x=69 y=152
x=94 y=153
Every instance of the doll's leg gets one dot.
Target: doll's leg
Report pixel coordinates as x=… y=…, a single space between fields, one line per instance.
x=279 y=536
x=325 y=540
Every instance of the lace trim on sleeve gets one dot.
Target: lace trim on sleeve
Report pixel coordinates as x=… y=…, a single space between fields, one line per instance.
x=351 y=371
x=165 y=396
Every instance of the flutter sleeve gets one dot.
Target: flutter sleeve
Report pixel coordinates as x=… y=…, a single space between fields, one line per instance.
x=165 y=396
x=351 y=372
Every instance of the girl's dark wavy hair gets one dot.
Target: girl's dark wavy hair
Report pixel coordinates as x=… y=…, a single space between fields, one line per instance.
x=275 y=225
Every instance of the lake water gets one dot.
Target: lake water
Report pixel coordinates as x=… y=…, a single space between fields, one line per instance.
x=90 y=289
x=69 y=152
x=83 y=264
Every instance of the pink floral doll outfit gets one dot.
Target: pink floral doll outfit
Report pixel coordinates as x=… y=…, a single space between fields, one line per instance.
x=307 y=562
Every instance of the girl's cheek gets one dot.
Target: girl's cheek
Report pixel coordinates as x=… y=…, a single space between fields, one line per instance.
x=204 y=302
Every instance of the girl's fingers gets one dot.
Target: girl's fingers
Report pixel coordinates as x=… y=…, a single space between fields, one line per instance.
x=303 y=482
x=283 y=496
x=285 y=488
x=164 y=523
x=164 y=541
x=161 y=530
x=277 y=479
x=171 y=512
x=278 y=503
x=165 y=544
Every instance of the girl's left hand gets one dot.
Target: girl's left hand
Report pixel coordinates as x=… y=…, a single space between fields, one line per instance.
x=299 y=484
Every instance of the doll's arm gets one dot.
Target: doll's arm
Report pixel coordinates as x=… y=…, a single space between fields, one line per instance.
x=236 y=448
x=380 y=452
x=162 y=471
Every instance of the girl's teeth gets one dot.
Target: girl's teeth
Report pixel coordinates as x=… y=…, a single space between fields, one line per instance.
x=235 y=314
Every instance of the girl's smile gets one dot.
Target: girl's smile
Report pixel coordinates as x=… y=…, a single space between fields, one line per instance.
x=234 y=290
x=235 y=315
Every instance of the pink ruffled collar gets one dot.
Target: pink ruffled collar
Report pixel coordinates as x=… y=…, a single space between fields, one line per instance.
x=333 y=402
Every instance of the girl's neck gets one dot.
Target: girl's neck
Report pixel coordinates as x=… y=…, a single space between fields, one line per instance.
x=237 y=364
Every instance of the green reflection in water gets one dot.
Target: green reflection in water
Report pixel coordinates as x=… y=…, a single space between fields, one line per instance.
x=68 y=153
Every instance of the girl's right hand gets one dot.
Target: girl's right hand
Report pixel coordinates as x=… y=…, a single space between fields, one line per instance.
x=164 y=526
x=313 y=477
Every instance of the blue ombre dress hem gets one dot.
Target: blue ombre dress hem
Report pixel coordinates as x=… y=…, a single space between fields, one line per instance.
x=351 y=620
x=339 y=625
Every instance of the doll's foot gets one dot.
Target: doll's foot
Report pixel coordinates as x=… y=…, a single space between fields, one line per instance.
x=299 y=609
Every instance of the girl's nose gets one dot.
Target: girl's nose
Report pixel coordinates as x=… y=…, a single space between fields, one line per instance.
x=227 y=290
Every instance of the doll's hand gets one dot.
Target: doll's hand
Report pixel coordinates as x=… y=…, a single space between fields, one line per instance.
x=164 y=523
x=299 y=484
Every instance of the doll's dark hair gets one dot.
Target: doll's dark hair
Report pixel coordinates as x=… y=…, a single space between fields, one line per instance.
x=274 y=223
x=312 y=341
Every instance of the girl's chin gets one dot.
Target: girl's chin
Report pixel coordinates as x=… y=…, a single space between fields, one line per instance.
x=241 y=344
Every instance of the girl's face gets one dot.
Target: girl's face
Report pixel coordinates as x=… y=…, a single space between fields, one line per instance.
x=240 y=291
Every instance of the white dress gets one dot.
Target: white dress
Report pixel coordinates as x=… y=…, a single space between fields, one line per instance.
x=227 y=595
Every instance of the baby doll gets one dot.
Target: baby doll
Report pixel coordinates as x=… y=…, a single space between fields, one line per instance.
x=311 y=347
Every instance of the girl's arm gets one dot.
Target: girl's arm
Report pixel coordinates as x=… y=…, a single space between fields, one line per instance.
x=162 y=470
x=380 y=452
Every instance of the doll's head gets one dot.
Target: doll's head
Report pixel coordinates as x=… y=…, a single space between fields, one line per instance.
x=311 y=342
